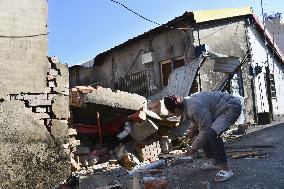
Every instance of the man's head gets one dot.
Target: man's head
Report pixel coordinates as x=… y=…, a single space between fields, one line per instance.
x=173 y=104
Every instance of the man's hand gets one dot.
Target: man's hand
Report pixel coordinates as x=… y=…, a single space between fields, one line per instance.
x=193 y=131
x=191 y=150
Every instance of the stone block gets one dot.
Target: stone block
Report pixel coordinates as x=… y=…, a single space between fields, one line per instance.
x=60 y=107
x=59 y=130
x=140 y=131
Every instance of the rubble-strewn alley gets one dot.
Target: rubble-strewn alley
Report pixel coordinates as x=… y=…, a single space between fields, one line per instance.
x=146 y=113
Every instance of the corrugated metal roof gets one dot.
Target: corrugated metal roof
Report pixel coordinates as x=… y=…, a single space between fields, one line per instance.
x=217 y=14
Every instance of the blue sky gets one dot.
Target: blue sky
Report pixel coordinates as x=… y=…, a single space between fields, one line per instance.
x=81 y=29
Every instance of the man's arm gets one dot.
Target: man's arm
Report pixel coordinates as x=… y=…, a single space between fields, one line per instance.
x=193 y=130
x=203 y=119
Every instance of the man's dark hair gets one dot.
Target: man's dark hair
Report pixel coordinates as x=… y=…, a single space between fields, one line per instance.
x=172 y=102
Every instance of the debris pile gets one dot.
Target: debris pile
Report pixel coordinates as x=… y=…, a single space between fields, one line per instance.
x=114 y=130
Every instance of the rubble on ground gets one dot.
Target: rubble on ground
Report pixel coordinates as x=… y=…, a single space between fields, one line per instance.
x=113 y=132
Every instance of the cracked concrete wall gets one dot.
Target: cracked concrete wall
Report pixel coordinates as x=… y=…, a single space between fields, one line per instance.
x=29 y=157
x=19 y=55
x=228 y=38
x=34 y=101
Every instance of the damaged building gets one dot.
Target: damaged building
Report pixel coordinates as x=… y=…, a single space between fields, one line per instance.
x=34 y=102
x=236 y=42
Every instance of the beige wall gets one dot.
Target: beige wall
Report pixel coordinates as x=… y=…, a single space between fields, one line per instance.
x=23 y=61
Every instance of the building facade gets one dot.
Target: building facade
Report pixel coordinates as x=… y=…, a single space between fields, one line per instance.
x=229 y=32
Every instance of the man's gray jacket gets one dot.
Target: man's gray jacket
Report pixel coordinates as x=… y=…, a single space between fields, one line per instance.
x=214 y=110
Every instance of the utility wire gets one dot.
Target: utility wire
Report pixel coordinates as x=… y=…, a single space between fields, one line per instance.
x=24 y=36
x=124 y=6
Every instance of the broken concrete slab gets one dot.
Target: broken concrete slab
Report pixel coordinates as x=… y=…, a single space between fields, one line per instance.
x=29 y=156
x=140 y=131
x=118 y=99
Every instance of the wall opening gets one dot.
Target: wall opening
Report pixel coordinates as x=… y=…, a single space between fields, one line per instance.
x=168 y=66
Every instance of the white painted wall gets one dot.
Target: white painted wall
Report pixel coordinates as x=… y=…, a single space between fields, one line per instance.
x=275 y=27
x=278 y=70
x=259 y=57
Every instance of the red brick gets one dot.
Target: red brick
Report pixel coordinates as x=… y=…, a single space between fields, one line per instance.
x=155 y=183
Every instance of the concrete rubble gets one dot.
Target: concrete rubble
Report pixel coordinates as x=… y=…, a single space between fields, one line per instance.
x=120 y=135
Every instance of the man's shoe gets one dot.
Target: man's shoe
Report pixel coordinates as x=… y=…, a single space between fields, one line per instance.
x=222 y=175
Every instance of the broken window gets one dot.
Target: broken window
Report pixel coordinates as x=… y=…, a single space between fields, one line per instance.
x=168 y=66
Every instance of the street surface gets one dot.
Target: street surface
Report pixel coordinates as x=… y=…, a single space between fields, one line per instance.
x=248 y=173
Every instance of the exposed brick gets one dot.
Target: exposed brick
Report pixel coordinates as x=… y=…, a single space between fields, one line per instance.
x=155 y=183
x=148 y=152
x=50 y=77
x=38 y=102
x=41 y=115
x=41 y=109
x=51 y=84
x=140 y=131
x=53 y=72
x=35 y=96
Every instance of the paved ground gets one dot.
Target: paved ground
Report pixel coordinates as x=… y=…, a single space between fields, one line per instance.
x=248 y=173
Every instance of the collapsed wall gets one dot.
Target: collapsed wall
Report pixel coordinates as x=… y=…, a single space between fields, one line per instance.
x=34 y=103
x=34 y=127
